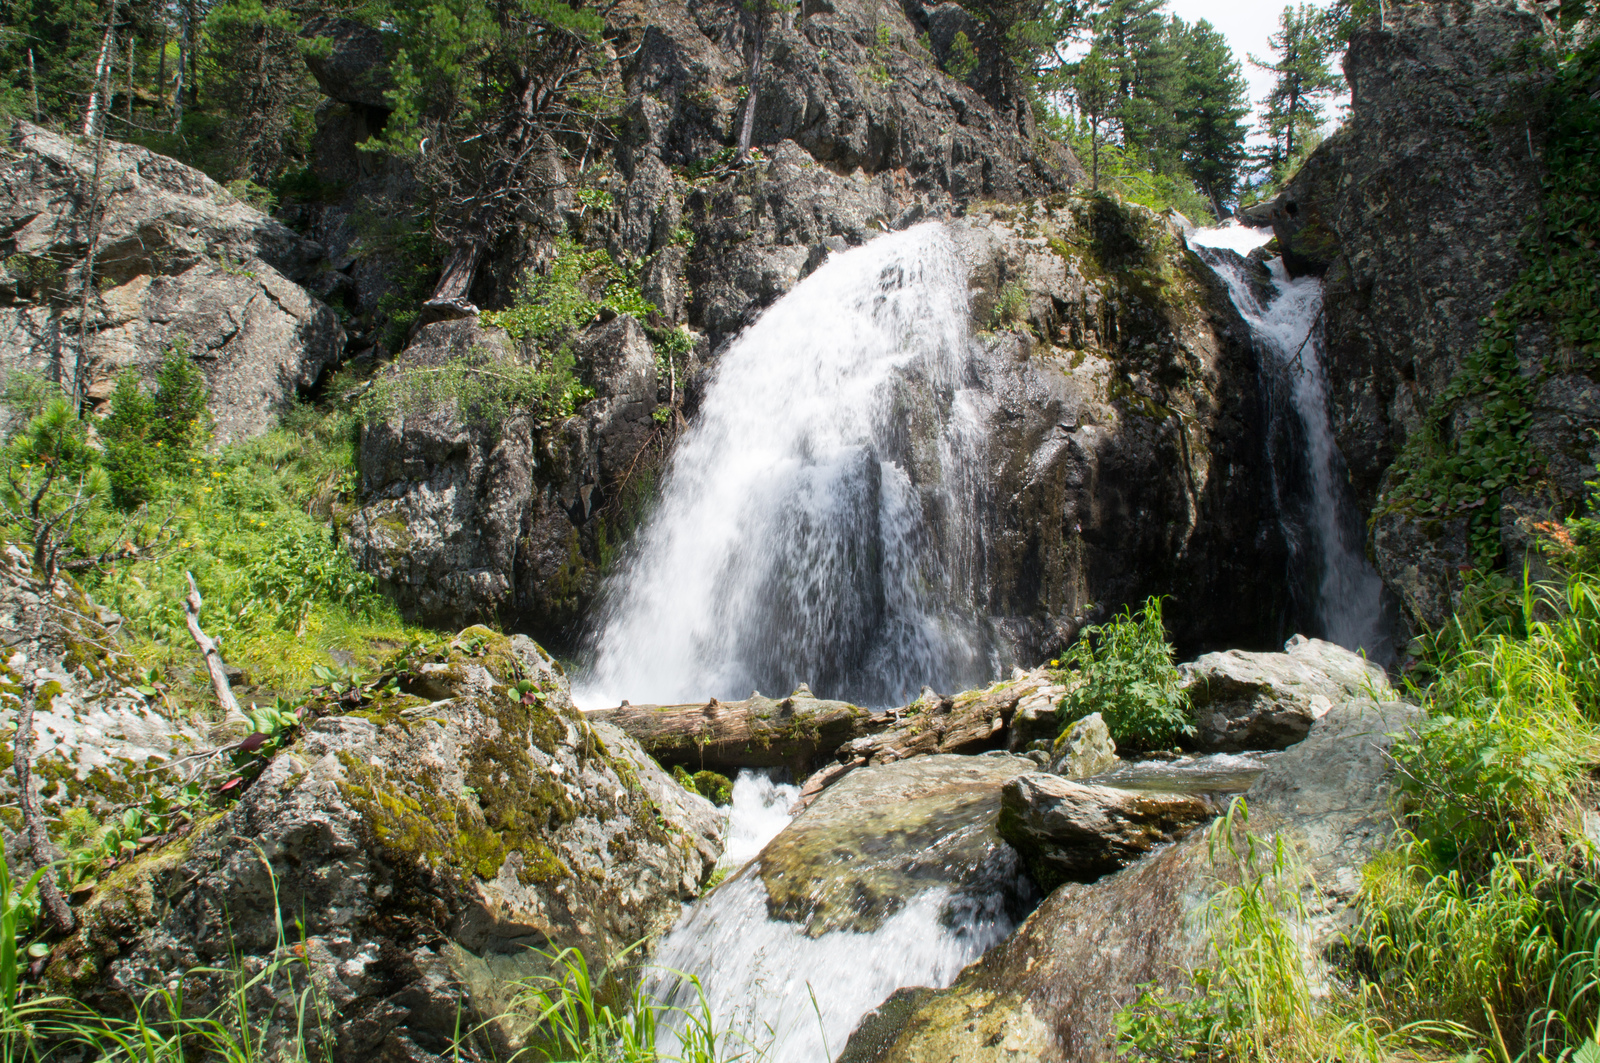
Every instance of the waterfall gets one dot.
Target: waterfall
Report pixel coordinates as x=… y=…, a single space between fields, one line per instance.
x=1285 y=318
x=819 y=521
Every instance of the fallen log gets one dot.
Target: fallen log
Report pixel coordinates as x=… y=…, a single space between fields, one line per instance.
x=797 y=732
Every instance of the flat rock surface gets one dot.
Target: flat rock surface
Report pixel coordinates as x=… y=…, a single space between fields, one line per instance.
x=1069 y=831
x=885 y=833
x=1264 y=701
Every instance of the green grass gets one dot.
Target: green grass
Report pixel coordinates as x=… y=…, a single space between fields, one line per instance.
x=251 y=522
x=1478 y=929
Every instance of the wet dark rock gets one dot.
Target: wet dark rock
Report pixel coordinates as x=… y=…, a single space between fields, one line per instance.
x=887 y=832
x=1126 y=428
x=497 y=521
x=1253 y=701
x=1414 y=214
x=1069 y=831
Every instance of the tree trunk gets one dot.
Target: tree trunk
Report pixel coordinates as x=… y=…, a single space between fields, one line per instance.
x=161 y=72
x=748 y=124
x=33 y=85
x=40 y=847
x=183 y=55
x=102 y=76
x=132 y=42
x=797 y=732
x=1094 y=152
x=233 y=718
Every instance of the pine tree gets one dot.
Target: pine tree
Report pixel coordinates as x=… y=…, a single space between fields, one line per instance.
x=1093 y=93
x=1212 y=110
x=490 y=97
x=1304 y=46
x=1133 y=36
x=260 y=84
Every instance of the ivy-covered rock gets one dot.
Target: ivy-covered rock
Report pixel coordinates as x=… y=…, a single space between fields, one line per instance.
x=421 y=849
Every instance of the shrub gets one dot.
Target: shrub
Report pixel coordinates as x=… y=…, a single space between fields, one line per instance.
x=151 y=436
x=1125 y=673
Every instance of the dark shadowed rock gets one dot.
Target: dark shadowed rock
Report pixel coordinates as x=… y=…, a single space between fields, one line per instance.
x=347 y=59
x=887 y=832
x=1415 y=213
x=1069 y=831
x=498 y=521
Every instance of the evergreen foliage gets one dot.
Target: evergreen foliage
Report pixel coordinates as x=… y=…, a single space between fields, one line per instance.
x=1159 y=108
x=1303 y=78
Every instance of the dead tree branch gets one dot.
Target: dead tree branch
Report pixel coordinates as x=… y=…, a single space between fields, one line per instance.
x=232 y=715
x=39 y=844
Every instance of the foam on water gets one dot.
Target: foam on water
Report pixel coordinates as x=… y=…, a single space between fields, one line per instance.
x=760 y=811
x=797 y=998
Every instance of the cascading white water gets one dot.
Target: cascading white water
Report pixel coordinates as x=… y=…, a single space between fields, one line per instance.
x=796 y=999
x=818 y=522
x=760 y=810
x=1288 y=326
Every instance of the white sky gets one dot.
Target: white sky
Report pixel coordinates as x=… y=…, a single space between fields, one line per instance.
x=1247 y=24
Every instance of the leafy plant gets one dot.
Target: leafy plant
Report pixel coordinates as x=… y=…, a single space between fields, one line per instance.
x=569 y=294
x=299 y=568
x=718 y=789
x=1124 y=671
x=963 y=58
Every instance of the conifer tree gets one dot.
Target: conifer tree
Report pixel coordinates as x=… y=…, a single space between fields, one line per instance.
x=1212 y=110
x=1303 y=79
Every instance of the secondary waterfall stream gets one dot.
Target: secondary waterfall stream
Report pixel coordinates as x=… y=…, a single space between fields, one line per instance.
x=1285 y=319
x=819 y=521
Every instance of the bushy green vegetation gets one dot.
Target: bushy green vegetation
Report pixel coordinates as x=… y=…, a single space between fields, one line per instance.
x=130 y=520
x=1123 y=669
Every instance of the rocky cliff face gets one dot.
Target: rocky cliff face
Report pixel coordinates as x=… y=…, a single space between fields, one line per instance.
x=1414 y=213
x=1122 y=403
x=174 y=256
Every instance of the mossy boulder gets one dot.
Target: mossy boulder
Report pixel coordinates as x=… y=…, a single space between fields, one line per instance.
x=420 y=850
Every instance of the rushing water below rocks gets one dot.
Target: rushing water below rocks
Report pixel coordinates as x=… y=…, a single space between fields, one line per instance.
x=894 y=877
x=819 y=521
x=1286 y=321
